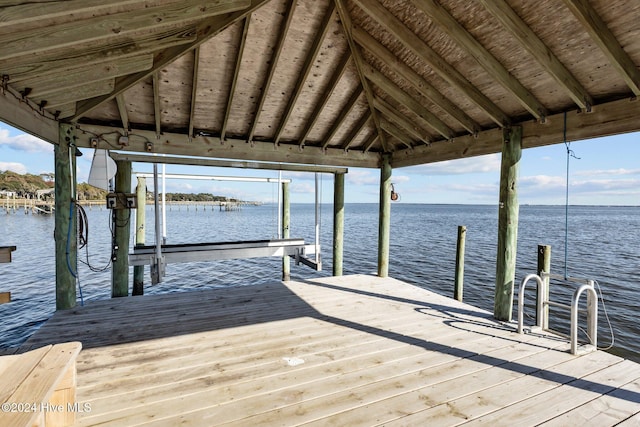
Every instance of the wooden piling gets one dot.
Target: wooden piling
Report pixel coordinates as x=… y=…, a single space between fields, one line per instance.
x=544 y=266
x=384 y=216
x=122 y=226
x=65 y=231
x=459 y=274
x=286 y=219
x=138 y=270
x=507 y=223
x=338 y=223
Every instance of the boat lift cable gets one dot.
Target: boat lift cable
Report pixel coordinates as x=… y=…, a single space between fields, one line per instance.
x=570 y=153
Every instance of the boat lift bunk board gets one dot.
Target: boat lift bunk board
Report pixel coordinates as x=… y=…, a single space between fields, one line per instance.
x=158 y=255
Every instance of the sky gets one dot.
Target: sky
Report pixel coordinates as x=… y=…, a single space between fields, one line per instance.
x=602 y=171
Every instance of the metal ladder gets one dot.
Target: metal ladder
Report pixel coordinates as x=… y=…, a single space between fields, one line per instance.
x=584 y=285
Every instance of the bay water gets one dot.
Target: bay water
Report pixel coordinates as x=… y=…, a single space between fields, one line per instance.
x=602 y=244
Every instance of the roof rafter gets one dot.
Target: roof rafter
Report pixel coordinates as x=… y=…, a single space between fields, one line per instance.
x=62 y=61
x=347 y=25
x=326 y=94
x=205 y=29
x=65 y=96
x=194 y=88
x=392 y=115
x=403 y=98
x=306 y=69
x=421 y=85
x=53 y=82
x=234 y=79
x=351 y=102
x=122 y=109
x=118 y=25
x=282 y=36
x=357 y=128
x=156 y=103
x=482 y=56
x=530 y=41
x=373 y=138
x=27 y=13
x=607 y=42
x=447 y=72
x=397 y=133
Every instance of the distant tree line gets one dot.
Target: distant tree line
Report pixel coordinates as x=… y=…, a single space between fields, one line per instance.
x=27 y=186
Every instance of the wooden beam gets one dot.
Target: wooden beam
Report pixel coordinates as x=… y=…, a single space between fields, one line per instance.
x=355 y=131
x=607 y=42
x=65 y=230
x=156 y=103
x=60 y=61
x=384 y=217
x=447 y=72
x=49 y=82
x=200 y=161
x=345 y=17
x=501 y=10
x=394 y=116
x=204 y=30
x=397 y=133
x=117 y=25
x=421 y=85
x=65 y=96
x=194 y=88
x=476 y=50
x=337 y=122
x=27 y=117
x=403 y=98
x=234 y=79
x=144 y=141
x=306 y=69
x=605 y=119
x=29 y=12
x=373 y=138
x=338 y=223
x=122 y=109
x=507 y=223
x=282 y=36
x=121 y=231
x=326 y=94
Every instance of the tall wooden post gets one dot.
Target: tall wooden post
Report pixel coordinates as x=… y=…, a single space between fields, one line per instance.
x=544 y=266
x=459 y=274
x=384 y=216
x=138 y=270
x=338 y=223
x=122 y=227
x=507 y=223
x=286 y=232
x=65 y=232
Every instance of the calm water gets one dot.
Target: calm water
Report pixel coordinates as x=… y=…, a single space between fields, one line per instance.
x=602 y=246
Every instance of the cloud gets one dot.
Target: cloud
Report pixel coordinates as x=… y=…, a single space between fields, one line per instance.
x=480 y=164
x=400 y=179
x=302 y=187
x=13 y=166
x=609 y=172
x=24 y=142
x=362 y=177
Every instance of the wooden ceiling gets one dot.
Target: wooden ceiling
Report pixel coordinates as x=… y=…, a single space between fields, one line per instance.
x=320 y=81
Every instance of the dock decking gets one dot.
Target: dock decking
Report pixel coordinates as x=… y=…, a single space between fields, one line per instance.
x=343 y=351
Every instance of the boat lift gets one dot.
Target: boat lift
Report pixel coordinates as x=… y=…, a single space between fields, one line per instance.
x=160 y=254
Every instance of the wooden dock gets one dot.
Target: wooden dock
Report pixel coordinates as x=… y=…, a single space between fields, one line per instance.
x=343 y=351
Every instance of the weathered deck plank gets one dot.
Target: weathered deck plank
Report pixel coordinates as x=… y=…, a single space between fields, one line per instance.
x=352 y=350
